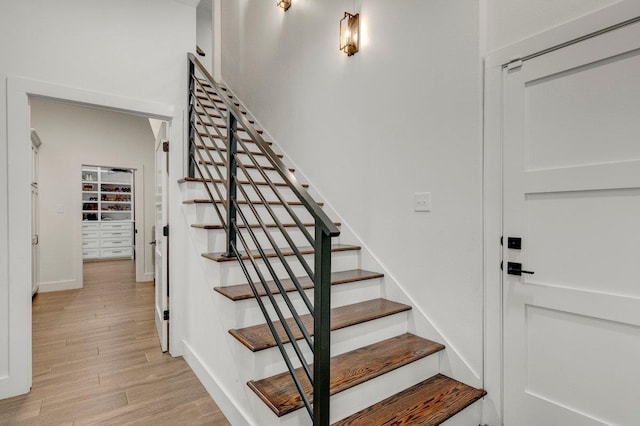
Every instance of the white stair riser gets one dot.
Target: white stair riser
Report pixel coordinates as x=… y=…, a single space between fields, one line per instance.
x=231 y=273
x=205 y=213
x=196 y=190
x=247 y=312
x=269 y=362
x=243 y=174
x=222 y=130
x=360 y=397
x=468 y=416
x=212 y=241
x=357 y=398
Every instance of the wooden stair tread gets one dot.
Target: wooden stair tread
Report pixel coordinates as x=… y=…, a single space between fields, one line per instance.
x=201 y=104
x=224 y=127
x=214 y=115
x=243 y=291
x=220 y=256
x=253 y=225
x=258 y=337
x=217 y=100
x=428 y=403
x=240 y=151
x=216 y=136
x=347 y=370
x=248 y=166
x=271 y=203
x=242 y=182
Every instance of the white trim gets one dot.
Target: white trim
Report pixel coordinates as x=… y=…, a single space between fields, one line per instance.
x=148 y=276
x=612 y=15
x=587 y=24
x=19 y=90
x=59 y=286
x=220 y=395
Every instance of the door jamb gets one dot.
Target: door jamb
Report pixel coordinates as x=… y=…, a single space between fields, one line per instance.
x=493 y=408
x=19 y=91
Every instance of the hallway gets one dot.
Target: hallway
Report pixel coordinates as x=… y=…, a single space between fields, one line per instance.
x=97 y=360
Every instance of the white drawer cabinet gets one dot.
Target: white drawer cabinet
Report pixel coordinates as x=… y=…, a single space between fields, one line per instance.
x=90 y=253
x=89 y=234
x=115 y=242
x=115 y=234
x=107 y=240
x=111 y=226
x=93 y=243
x=116 y=252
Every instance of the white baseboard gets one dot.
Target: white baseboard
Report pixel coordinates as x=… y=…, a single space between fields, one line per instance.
x=148 y=276
x=59 y=286
x=230 y=409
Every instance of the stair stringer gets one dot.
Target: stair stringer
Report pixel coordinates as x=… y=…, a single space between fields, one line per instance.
x=207 y=344
x=453 y=363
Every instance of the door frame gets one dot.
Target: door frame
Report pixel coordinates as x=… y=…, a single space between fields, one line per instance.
x=573 y=31
x=19 y=91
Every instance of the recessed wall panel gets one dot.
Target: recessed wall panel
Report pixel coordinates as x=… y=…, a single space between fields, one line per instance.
x=587 y=240
x=587 y=115
x=576 y=361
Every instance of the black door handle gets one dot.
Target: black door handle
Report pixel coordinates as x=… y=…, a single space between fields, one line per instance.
x=514 y=268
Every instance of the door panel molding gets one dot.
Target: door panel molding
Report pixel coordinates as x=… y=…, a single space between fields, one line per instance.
x=556 y=344
x=493 y=406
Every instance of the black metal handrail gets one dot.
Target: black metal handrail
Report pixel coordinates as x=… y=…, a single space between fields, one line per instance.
x=239 y=215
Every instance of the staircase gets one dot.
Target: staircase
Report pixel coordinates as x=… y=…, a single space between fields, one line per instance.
x=283 y=265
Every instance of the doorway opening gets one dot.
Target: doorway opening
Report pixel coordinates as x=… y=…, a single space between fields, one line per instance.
x=98 y=191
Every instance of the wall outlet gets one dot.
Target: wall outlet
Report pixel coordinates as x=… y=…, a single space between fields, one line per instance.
x=422 y=202
x=59 y=208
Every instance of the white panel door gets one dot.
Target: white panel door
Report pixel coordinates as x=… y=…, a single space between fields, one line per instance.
x=35 y=239
x=571 y=129
x=161 y=246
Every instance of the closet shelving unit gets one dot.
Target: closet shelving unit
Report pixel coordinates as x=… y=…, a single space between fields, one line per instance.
x=107 y=212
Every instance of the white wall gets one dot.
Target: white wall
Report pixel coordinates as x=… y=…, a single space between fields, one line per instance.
x=75 y=136
x=204 y=31
x=509 y=21
x=126 y=51
x=401 y=116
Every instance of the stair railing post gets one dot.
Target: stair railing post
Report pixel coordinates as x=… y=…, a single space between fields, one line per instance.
x=232 y=149
x=321 y=326
x=191 y=172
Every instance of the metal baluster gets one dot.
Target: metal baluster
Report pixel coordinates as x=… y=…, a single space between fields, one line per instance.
x=232 y=148
x=191 y=84
x=321 y=326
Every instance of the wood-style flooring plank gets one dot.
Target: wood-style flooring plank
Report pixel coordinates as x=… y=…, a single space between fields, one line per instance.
x=94 y=349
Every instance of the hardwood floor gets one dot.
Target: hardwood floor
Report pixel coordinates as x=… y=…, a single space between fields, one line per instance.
x=97 y=360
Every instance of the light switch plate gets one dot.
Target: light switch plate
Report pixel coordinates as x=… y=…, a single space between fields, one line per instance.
x=59 y=208
x=422 y=202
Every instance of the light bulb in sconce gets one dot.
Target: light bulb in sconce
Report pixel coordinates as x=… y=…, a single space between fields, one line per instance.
x=349 y=30
x=284 y=4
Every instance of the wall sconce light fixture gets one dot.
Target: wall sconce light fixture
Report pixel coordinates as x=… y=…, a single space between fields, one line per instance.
x=284 y=4
x=350 y=33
